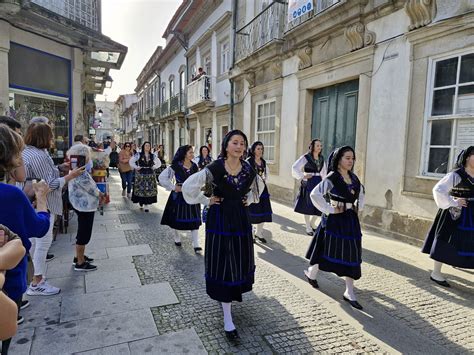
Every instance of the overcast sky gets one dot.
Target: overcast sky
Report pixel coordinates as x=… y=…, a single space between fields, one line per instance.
x=139 y=25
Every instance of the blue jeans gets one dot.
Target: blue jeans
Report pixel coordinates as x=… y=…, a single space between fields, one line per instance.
x=127 y=180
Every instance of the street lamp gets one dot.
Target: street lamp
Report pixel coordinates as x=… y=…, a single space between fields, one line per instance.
x=100 y=112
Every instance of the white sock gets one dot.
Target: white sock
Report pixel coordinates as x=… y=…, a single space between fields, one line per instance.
x=313 y=271
x=307 y=221
x=259 y=229
x=436 y=274
x=228 y=324
x=195 y=237
x=350 y=289
x=177 y=237
x=313 y=222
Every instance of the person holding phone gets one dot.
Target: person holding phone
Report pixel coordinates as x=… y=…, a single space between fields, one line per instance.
x=39 y=165
x=84 y=197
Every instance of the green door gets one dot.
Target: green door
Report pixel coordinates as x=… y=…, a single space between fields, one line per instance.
x=335 y=115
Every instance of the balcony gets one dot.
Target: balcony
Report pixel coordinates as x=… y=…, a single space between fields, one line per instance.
x=319 y=7
x=266 y=27
x=200 y=93
x=178 y=103
x=165 y=109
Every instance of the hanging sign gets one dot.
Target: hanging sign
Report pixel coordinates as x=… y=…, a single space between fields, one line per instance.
x=297 y=8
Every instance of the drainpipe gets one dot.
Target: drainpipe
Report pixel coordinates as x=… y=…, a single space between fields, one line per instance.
x=232 y=84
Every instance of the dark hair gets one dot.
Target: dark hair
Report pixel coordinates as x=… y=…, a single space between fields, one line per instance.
x=181 y=153
x=254 y=146
x=11 y=146
x=336 y=156
x=226 y=140
x=39 y=135
x=10 y=122
x=143 y=146
x=78 y=138
x=204 y=147
x=127 y=144
x=312 y=144
x=463 y=156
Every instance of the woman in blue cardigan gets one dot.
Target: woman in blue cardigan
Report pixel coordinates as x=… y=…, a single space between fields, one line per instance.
x=17 y=213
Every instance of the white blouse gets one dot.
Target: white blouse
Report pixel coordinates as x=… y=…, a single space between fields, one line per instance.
x=193 y=194
x=323 y=188
x=297 y=169
x=167 y=179
x=133 y=161
x=441 y=191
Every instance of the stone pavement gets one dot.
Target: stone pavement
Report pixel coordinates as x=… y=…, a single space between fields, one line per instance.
x=148 y=296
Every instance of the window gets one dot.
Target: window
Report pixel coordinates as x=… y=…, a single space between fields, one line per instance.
x=182 y=81
x=181 y=137
x=450 y=112
x=225 y=56
x=171 y=88
x=265 y=128
x=207 y=64
x=163 y=92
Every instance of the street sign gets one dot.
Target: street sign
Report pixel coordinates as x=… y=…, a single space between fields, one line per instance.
x=297 y=8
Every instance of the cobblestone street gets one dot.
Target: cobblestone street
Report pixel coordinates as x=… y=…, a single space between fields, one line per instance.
x=403 y=310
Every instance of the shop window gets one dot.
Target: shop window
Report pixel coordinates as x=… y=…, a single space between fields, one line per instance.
x=449 y=120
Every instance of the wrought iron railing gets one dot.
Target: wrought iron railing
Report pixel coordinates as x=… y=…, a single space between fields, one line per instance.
x=267 y=26
x=319 y=7
x=164 y=109
x=201 y=90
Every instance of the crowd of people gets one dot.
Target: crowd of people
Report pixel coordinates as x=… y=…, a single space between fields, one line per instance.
x=229 y=194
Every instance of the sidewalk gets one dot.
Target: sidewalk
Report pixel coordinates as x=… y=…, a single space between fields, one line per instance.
x=148 y=296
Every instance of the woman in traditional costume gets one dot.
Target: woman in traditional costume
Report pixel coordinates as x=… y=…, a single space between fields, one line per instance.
x=229 y=257
x=179 y=214
x=337 y=244
x=451 y=238
x=310 y=169
x=259 y=212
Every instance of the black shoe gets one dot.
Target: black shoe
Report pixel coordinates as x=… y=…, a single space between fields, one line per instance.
x=354 y=304
x=232 y=335
x=197 y=250
x=20 y=320
x=443 y=283
x=178 y=244
x=310 y=233
x=24 y=304
x=86 y=267
x=312 y=282
x=86 y=258
x=147 y=210
x=49 y=257
x=263 y=240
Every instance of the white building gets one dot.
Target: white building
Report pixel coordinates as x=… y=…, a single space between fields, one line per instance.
x=105 y=122
x=394 y=79
x=126 y=107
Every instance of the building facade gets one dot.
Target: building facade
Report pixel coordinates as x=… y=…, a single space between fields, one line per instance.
x=392 y=78
x=53 y=61
x=126 y=108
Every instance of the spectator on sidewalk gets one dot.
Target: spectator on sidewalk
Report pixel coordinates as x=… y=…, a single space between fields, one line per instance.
x=125 y=169
x=12 y=252
x=18 y=174
x=17 y=214
x=84 y=197
x=39 y=165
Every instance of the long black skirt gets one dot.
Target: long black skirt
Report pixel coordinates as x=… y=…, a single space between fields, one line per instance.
x=262 y=211
x=337 y=245
x=229 y=254
x=303 y=203
x=145 y=191
x=452 y=242
x=180 y=215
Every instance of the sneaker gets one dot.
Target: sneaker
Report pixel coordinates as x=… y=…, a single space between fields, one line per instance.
x=20 y=320
x=24 y=304
x=86 y=267
x=86 y=258
x=42 y=289
x=49 y=257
